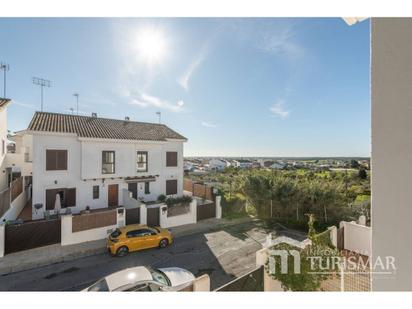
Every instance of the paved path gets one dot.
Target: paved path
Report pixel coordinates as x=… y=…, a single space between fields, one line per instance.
x=223 y=254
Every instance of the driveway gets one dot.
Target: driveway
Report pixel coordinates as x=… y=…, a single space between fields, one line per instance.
x=223 y=254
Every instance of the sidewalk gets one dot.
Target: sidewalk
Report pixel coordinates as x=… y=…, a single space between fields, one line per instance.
x=48 y=255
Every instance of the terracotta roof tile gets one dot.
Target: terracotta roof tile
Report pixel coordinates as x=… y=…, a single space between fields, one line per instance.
x=94 y=127
x=4 y=101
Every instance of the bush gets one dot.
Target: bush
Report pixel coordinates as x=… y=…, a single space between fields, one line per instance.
x=185 y=199
x=161 y=198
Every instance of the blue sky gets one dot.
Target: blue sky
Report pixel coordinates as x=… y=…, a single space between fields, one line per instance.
x=233 y=87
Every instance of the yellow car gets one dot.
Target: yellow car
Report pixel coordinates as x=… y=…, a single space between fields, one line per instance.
x=137 y=237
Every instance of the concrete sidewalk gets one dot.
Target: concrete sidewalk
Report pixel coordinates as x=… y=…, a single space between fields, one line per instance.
x=48 y=255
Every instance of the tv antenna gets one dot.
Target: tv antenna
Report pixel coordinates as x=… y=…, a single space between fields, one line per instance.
x=42 y=83
x=72 y=110
x=5 y=67
x=77 y=102
x=159 y=114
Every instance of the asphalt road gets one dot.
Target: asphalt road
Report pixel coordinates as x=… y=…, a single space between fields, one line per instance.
x=223 y=254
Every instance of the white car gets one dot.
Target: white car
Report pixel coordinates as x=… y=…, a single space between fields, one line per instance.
x=144 y=279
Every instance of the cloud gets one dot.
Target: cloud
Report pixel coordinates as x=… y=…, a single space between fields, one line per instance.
x=208 y=124
x=146 y=100
x=278 y=109
x=281 y=43
x=187 y=75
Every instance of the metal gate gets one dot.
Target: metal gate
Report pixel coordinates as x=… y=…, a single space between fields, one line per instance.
x=132 y=215
x=32 y=234
x=206 y=211
x=153 y=216
x=250 y=282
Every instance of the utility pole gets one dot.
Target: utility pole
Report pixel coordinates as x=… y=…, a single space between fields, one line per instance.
x=42 y=83
x=5 y=67
x=159 y=114
x=77 y=102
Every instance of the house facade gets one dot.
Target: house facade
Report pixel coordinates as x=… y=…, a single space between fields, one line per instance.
x=3 y=142
x=86 y=162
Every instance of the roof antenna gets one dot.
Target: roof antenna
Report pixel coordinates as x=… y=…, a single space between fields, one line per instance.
x=72 y=110
x=77 y=102
x=42 y=83
x=5 y=67
x=159 y=114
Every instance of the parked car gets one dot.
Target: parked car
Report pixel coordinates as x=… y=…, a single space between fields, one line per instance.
x=144 y=279
x=137 y=237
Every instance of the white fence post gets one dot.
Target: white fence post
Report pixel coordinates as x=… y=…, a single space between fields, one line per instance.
x=218 y=207
x=333 y=230
x=143 y=213
x=362 y=220
x=2 y=238
x=193 y=210
x=66 y=229
x=121 y=217
x=163 y=216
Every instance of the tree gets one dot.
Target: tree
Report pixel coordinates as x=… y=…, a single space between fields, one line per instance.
x=362 y=173
x=354 y=164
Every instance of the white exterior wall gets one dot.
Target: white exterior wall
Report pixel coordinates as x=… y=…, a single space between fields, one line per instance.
x=391 y=149
x=85 y=165
x=357 y=238
x=3 y=136
x=188 y=218
x=70 y=238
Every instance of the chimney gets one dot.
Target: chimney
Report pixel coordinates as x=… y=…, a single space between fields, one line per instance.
x=127 y=118
x=94 y=115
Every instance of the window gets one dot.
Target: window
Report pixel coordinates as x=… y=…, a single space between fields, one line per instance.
x=96 y=192
x=140 y=233
x=108 y=162
x=56 y=160
x=141 y=164
x=171 y=187
x=171 y=158
x=147 y=187
x=67 y=197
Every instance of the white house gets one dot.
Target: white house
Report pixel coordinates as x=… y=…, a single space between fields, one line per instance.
x=88 y=161
x=217 y=164
x=3 y=141
x=241 y=163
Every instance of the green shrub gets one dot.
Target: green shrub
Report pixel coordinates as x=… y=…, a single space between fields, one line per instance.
x=185 y=199
x=161 y=198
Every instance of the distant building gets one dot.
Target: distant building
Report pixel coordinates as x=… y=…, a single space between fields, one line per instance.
x=277 y=166
x=217 y=164
x=240 y=163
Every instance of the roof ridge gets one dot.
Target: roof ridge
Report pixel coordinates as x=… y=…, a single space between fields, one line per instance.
x=105 y=118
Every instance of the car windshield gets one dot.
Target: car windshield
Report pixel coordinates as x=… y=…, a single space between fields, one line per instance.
x=116 y=233
x=159 y=277
x=99 y=286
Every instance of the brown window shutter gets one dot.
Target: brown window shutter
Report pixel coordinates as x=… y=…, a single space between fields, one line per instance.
x=62 y=160
x=71 y=197
x=51 y=160
x=171 y=187
x=50 y=198
x=171 y=158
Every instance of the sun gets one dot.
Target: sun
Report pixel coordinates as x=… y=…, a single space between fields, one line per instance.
x=151 y=45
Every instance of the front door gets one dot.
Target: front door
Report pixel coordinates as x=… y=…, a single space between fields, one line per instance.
x=113 y=192
x=132 y=187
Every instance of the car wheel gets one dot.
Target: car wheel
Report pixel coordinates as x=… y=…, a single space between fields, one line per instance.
x=122 y=251
x=163 y=243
